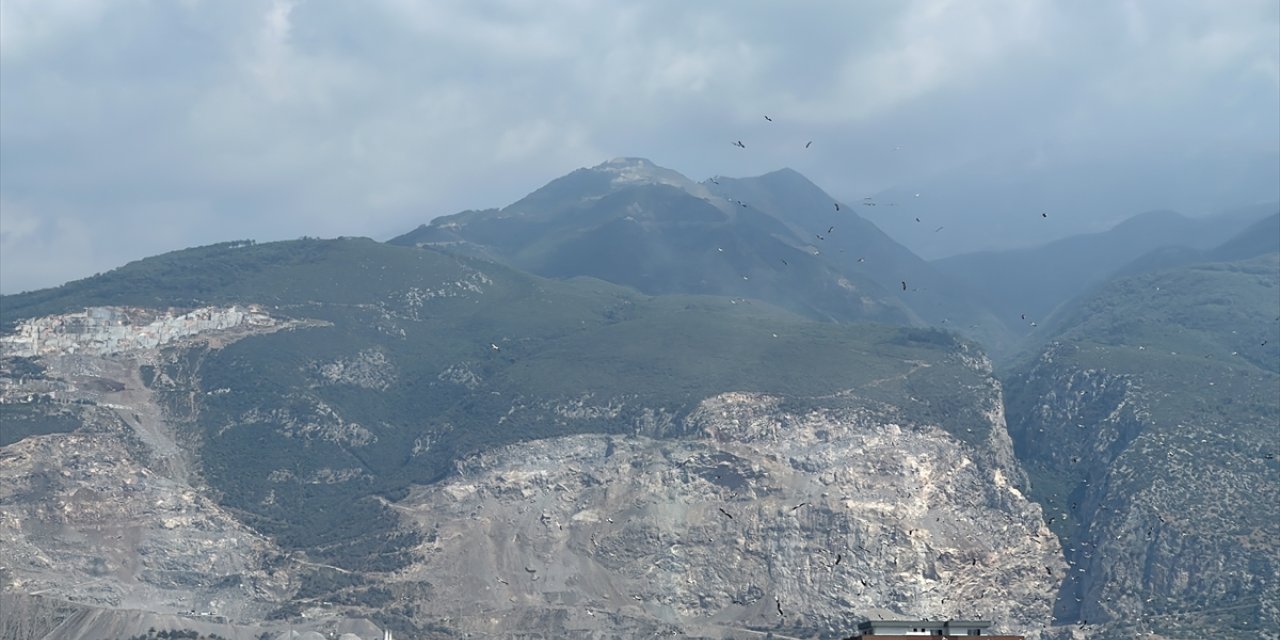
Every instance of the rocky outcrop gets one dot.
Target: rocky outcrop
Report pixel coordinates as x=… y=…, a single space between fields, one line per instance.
x=114 y=330
x=770 y=519
x=84 y=521
x=108 y=527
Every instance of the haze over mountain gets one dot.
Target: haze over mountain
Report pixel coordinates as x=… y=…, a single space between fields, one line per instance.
x=775 y=237
x=1025 y=286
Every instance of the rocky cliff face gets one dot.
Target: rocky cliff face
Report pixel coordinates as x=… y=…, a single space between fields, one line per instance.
x=122 y=330
x=773 y=517
x=1166 y=509
x=112 y=516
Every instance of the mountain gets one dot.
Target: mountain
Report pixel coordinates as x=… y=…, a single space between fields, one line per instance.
x=993 y=201
x=1260 y=238
x=776 y=238
x=1147 y=422
x=346 y=436
x=1034 y=281
x=330 y=432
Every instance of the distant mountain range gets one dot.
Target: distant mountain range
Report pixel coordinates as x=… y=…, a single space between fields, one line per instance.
x=1033 y=282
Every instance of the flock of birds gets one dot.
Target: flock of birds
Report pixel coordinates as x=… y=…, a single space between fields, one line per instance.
x=868 y=201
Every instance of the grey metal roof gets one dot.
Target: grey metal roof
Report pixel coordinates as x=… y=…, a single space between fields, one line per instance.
x=970 y=624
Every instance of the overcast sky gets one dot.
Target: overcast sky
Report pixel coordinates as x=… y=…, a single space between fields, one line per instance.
x=131 y=128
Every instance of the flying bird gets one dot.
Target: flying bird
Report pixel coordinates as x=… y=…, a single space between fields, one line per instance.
x=904 y=285
x=937 y=230
x=837 y=205
x=494 y=347
x=839 y=557
x=768 y=118
x=739 y=144
x=799 y=505
x=1044 y=215
x=806 y=145
x=726 y=513
x=784 y=263
x=830 y=229
x=917 y=219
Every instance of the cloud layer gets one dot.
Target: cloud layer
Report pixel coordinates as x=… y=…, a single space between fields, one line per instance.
x=136 y=127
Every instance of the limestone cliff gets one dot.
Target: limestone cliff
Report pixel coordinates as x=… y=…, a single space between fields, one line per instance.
x=109 y=523
x=1165 y=501
x=772 y=518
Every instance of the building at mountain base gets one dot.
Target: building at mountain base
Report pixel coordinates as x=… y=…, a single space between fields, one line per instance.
x=890 y=629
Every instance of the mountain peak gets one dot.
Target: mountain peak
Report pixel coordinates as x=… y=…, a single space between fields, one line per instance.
x=627 y=171
x=626 y=161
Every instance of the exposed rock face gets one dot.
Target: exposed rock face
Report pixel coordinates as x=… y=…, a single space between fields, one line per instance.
x=115 y=330
x=82 y=519
x=112 y=516
x=771 y=518
x=368 y=369
x=1169 y=519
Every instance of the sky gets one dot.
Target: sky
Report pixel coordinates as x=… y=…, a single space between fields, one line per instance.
x=136 y=127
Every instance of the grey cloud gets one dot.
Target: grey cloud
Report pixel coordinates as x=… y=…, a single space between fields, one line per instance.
x=161 y=125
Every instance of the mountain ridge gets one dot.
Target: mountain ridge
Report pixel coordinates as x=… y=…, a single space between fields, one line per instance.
x=776 y=237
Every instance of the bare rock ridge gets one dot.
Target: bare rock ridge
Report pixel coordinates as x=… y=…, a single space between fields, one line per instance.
x=102 y=331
